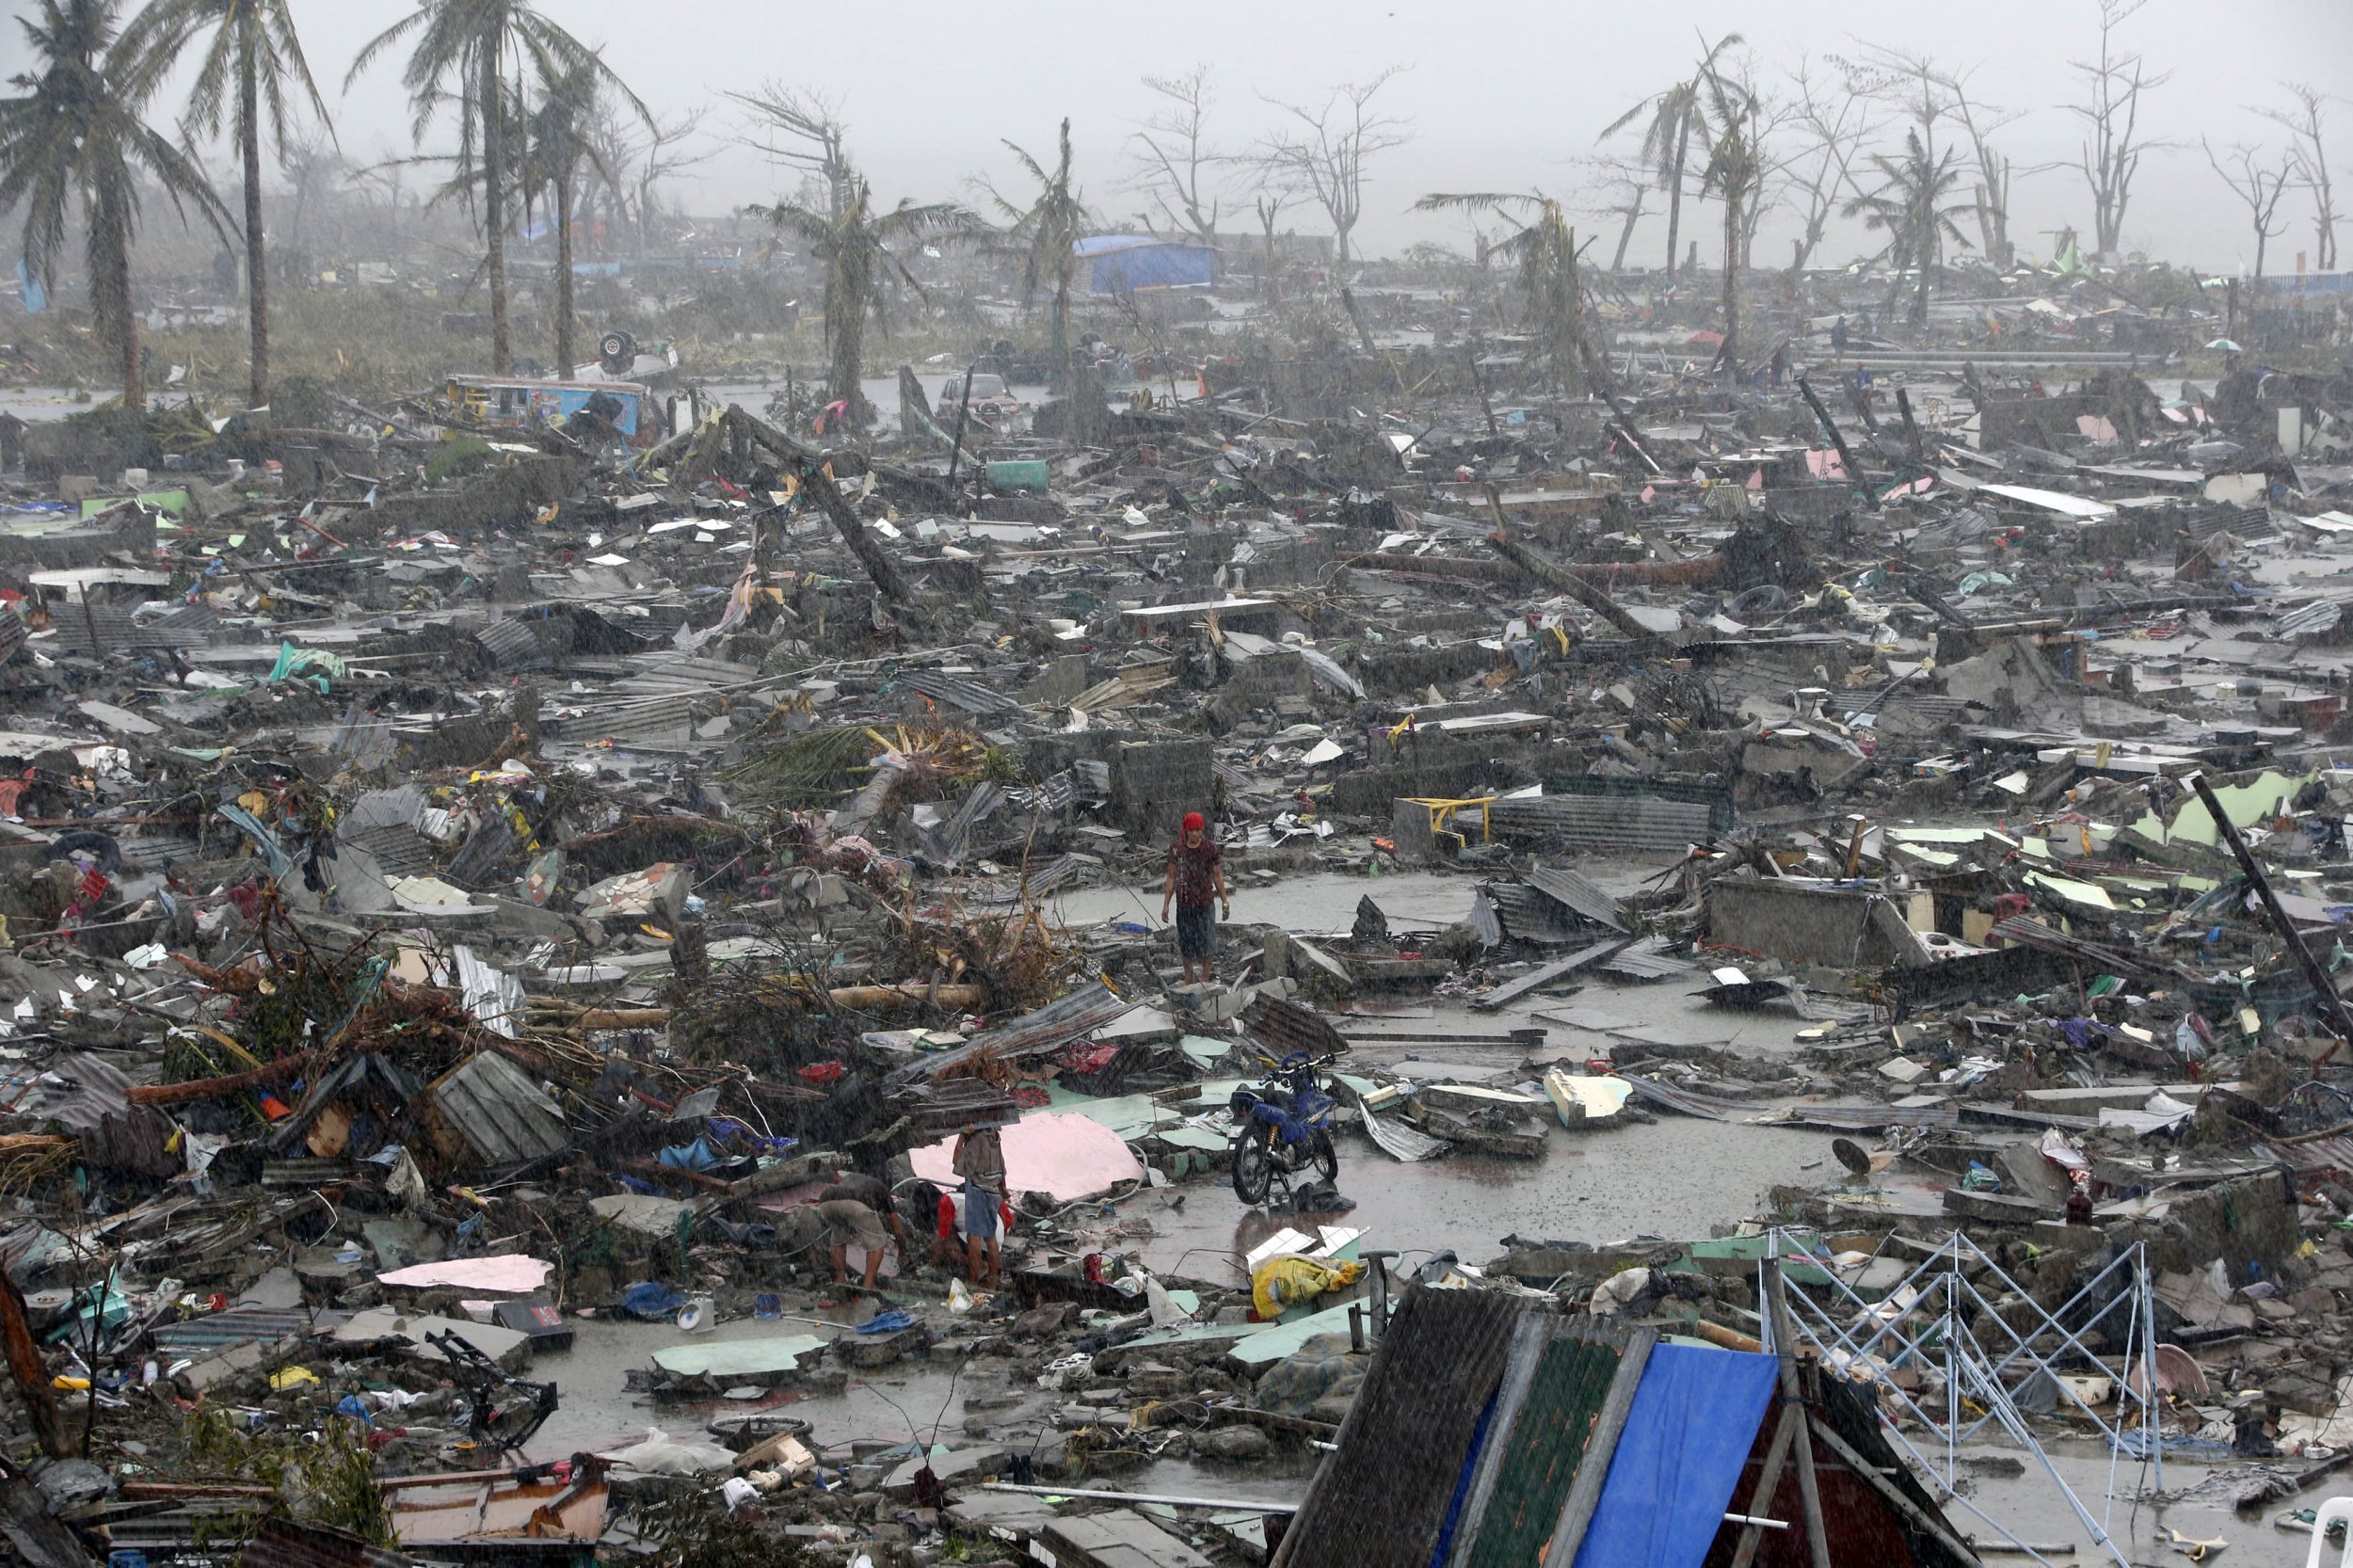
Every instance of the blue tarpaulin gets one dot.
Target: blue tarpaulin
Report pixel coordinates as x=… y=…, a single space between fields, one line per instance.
x=1693 y=1421
x=1125 y=263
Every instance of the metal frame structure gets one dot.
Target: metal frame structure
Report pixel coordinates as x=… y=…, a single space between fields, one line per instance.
x=1933 y=1329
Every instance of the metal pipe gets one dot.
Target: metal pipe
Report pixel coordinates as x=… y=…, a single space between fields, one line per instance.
x=1236 y=1503
x=2331 y=1006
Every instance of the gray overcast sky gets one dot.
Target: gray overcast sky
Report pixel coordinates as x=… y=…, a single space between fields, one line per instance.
x=1501 y=93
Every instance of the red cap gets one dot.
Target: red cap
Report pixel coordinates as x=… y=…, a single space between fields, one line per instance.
x=1196 y=822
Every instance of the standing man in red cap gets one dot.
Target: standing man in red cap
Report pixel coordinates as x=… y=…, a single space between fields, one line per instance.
x=1196 y=880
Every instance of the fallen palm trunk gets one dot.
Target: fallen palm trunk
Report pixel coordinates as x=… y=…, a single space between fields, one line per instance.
x=1569 y=583
x=909 y=993
x=205 y=1088
x=1699 y=569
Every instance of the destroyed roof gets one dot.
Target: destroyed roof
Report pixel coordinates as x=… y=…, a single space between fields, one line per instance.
x=500 y=1115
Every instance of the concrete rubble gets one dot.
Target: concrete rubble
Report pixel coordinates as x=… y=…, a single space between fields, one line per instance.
x=464 y=897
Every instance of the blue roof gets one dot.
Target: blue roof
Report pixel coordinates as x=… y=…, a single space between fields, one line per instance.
x=1105 y=245
x=1125 y=263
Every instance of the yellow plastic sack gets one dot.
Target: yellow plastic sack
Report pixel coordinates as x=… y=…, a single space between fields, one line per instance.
x=1282 y=1282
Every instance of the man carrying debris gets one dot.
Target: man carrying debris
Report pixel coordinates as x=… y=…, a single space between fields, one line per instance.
x=842 y=1224
x=980 y=1160
x=875 y=1194
x=1196 y=876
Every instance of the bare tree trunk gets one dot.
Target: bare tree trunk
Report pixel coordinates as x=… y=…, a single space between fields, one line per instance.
x=1675 y=190
x=564 y=356
x=494 y=206
x=1732 y=281
x=848 y=363
x=133 y=381
x=1625 y=233
x=256 y=272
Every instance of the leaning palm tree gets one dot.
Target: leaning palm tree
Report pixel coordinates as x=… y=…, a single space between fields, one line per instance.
x=74 y=131
x=1543 y=252
x=464 y=44
x=1675 y=116
x=1045 y=236
x=860 y=251
x=1909 y=207
x=255 y=49
x=559 y=140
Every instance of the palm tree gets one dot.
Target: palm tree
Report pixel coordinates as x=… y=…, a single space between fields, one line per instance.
x=1910 y=206
x=465 y=44
x=73 y=131
x=255 y=47
x=1674 y=114
x=1733 y=172
x=1044 y=235
x=559 y=138
x=861 y=253
x=1545 y=253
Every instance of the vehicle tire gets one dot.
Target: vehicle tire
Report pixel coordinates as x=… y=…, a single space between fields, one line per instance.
x=1326 y=1157
x=1254 y=1169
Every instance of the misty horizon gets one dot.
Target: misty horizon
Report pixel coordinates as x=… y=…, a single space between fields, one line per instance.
x=1507 y=98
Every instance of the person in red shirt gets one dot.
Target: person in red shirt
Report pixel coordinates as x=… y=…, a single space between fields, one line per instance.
x=955 y=1240
x=1196 y=884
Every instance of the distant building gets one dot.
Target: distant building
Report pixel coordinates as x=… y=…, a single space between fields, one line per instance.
x=1138 y=264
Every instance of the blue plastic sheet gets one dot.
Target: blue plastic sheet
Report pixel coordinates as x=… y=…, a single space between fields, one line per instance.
x=696 y=1155
x=653 y=1300
x=1693 y=1421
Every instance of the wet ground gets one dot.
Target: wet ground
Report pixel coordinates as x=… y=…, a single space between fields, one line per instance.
x=925 y=1399
x=1673 y=1178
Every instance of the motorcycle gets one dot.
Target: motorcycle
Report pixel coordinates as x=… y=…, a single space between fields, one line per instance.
x=1284 y=1127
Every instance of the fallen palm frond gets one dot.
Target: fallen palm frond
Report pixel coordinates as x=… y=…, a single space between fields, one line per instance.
x=28 y=1159
x=813 y=768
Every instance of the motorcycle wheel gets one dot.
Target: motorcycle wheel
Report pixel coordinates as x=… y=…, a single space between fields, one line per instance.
x=1254 y=1171
x=1326 y=1157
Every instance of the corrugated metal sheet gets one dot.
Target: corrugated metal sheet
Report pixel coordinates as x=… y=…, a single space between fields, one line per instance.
x=1538 y=1462
x=1716 y=797
x=1045 y=881
x=1526 y=915
x=476 y=864
x=239 y=1325
x=1864 y=1118
x=498 y=1110
x=513 y=644
x=968 y=696
x=12 y=632
x=1632 y=822
x=495 y=997
x=1578 y=893
x=1283 y=1027
x=1714 y=1108
x=282 y=1543
x=2313 y=1158
x=378 y=810
x=1402 y=1449
x=1648 y=959
x=120 y=629
x=669 y=671
x=84 y=1096
x=2027 y=931
x=397 y=851
x=1059 y=1021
